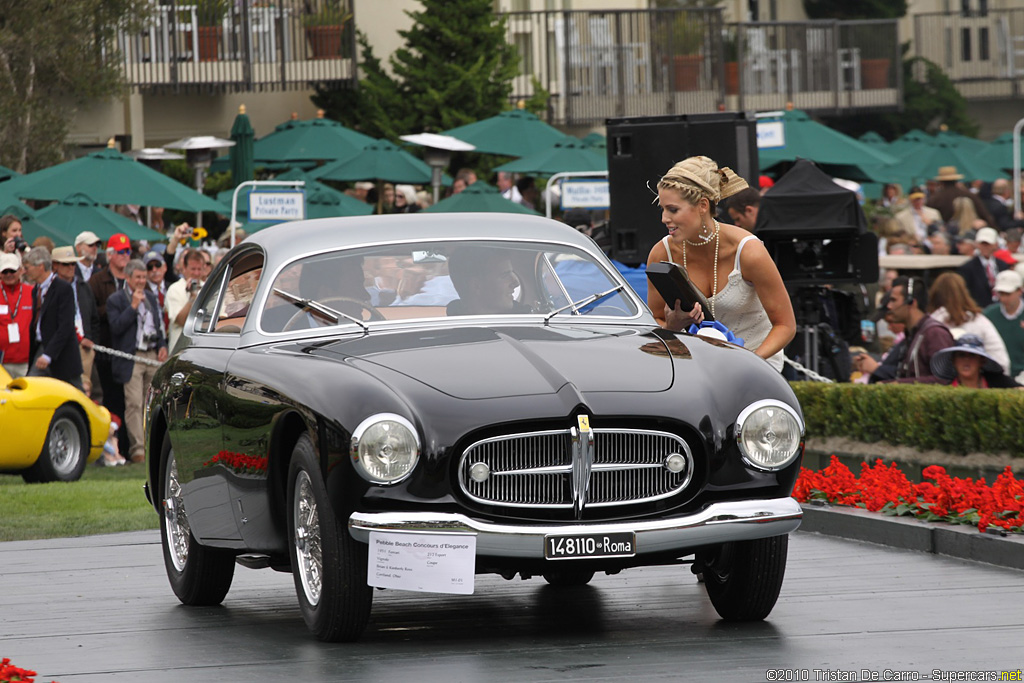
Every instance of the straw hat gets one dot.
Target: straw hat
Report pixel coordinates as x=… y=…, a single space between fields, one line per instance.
x=64 y=255
x=948 y=173
x=942 y=362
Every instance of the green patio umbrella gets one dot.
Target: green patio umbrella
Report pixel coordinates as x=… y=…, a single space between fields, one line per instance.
x=837 y=154
x=79 y=212
x=242 y=153
x=596 y=141
x=7 y=174
x=910 y=142
x=513 y=133
x=998 y=153
x=916 y=168
x=32 y=226
x=478 y=197
x=379 y=160
x=109 y=177
x=318 y=139
x=568 y=154
x=874 y=139
x=970 y=145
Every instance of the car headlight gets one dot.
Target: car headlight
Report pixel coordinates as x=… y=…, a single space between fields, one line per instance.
x=768 y=433
x=385 y=448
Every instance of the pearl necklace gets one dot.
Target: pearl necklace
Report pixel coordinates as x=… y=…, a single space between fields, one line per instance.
x=716 y=236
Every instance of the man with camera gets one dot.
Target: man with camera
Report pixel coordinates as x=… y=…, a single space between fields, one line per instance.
x=136 y=327
x=182 y=294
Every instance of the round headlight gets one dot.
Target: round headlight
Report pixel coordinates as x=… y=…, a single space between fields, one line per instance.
x=768 y=433
x=385 y=448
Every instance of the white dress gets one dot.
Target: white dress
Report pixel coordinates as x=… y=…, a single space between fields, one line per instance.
x=983 y=327
x=738 y=308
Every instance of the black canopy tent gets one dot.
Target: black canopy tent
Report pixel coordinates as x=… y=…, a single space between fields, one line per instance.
x=815 y=229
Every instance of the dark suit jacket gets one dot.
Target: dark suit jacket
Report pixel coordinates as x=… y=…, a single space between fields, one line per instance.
x=56 y=319
x=976 y=278
x=943 y=198
x=103 y=284
x=124 y=328
x=87 y=307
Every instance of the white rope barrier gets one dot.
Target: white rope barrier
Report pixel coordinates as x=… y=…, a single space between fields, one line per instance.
x=127 y=356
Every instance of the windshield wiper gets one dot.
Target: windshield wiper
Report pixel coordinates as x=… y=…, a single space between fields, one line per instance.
x=585 y=301
x=317 y=307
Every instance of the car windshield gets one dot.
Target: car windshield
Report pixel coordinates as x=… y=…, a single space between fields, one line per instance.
x=426 y=280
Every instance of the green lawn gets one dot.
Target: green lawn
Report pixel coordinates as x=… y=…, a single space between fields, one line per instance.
x=105 y=500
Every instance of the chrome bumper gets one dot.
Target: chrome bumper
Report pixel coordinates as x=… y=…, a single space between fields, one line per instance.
x=717 y=523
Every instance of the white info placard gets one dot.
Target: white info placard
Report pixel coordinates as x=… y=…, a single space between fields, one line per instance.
x=586 y=194
x=428 y=563
x=279 y=205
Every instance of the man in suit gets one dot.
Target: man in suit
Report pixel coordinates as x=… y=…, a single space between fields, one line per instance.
x=918 y=220
x=136 y=327
x=54 y=342
x=980 y=271
x=87 y=319
x=949 y=189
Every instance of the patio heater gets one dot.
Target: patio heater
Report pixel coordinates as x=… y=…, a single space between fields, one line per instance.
x=152 y=157
x=199 y=154
x=438 y=154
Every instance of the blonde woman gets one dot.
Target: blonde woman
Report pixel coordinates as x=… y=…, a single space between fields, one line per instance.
x=965 y=217
x=949 y=302
x=728 y=264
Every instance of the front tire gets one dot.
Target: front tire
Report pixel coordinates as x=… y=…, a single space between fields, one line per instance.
x=199 y=575
x=329 y=566
x=65 y=450
x=743 y=579
x=567 y=578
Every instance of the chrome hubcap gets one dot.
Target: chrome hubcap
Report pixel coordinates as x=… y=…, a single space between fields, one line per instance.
x=175 y=520
x=307 y=539
x=65 y=446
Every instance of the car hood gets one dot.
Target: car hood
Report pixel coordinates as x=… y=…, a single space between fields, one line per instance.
x=479 y=362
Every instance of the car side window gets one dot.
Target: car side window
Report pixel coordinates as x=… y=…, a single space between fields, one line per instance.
x=229 y=303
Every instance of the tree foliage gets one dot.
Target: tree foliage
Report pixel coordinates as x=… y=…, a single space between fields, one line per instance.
x=930 y=100
x=55 y=56
x=456 y=67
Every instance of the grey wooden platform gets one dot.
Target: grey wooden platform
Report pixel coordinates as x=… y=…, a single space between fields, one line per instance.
x=99 y=609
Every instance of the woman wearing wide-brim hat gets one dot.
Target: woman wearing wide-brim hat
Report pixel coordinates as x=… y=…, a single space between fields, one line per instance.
x=967 y=365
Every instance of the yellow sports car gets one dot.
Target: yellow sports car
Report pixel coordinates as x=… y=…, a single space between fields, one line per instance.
x=49 y=429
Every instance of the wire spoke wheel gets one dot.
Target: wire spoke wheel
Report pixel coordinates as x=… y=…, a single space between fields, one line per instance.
x=308 y=548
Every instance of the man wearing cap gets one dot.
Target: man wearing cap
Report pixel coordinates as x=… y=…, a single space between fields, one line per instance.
x=918 y=220
x=87 y=320
x=949 y=189
x=87 y=245
x=980 y=271
x=136 y=327
x=15 y=316
x=156 y=269
x=53 y=340
x=1008 y=317
x=103 y=284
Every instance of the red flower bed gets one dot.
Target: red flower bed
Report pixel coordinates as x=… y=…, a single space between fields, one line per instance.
x=941 y=497
x=12 y=674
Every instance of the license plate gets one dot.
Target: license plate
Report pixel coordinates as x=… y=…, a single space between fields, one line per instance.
x=579 y=546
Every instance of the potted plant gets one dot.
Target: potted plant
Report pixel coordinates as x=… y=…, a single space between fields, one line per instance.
x=210 y=25
x=730 y=55
x=324 y=29
x=680 y=40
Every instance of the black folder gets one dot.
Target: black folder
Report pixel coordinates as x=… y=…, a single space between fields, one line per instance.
x=672 y=282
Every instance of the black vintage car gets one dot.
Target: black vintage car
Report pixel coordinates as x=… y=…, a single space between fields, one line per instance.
x=408 y=401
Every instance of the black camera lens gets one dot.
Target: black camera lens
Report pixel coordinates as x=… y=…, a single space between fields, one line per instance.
x=20 y=244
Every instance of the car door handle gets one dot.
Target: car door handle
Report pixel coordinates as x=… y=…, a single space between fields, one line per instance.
x=177 y=379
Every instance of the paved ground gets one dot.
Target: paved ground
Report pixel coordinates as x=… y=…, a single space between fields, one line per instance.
x=99 y=609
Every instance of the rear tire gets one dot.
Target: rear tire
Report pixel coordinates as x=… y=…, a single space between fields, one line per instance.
x=329 y=566
x=568 y=577
x=743 y=579
x=65 y=450
x=199 y=575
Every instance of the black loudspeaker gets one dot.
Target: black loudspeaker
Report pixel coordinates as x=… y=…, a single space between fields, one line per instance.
x=642 y=149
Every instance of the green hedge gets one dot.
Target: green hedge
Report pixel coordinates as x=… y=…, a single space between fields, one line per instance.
x=924 y=416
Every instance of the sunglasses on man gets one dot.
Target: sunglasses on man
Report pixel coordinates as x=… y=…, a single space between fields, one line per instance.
x=8 y=272
x=125 y=252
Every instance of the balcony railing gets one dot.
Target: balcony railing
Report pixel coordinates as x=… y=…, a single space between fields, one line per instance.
x=982 y=53
x=650 y=62
x=248 y=46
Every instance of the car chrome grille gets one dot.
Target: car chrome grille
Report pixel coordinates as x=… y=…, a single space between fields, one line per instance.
x=627 y=466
